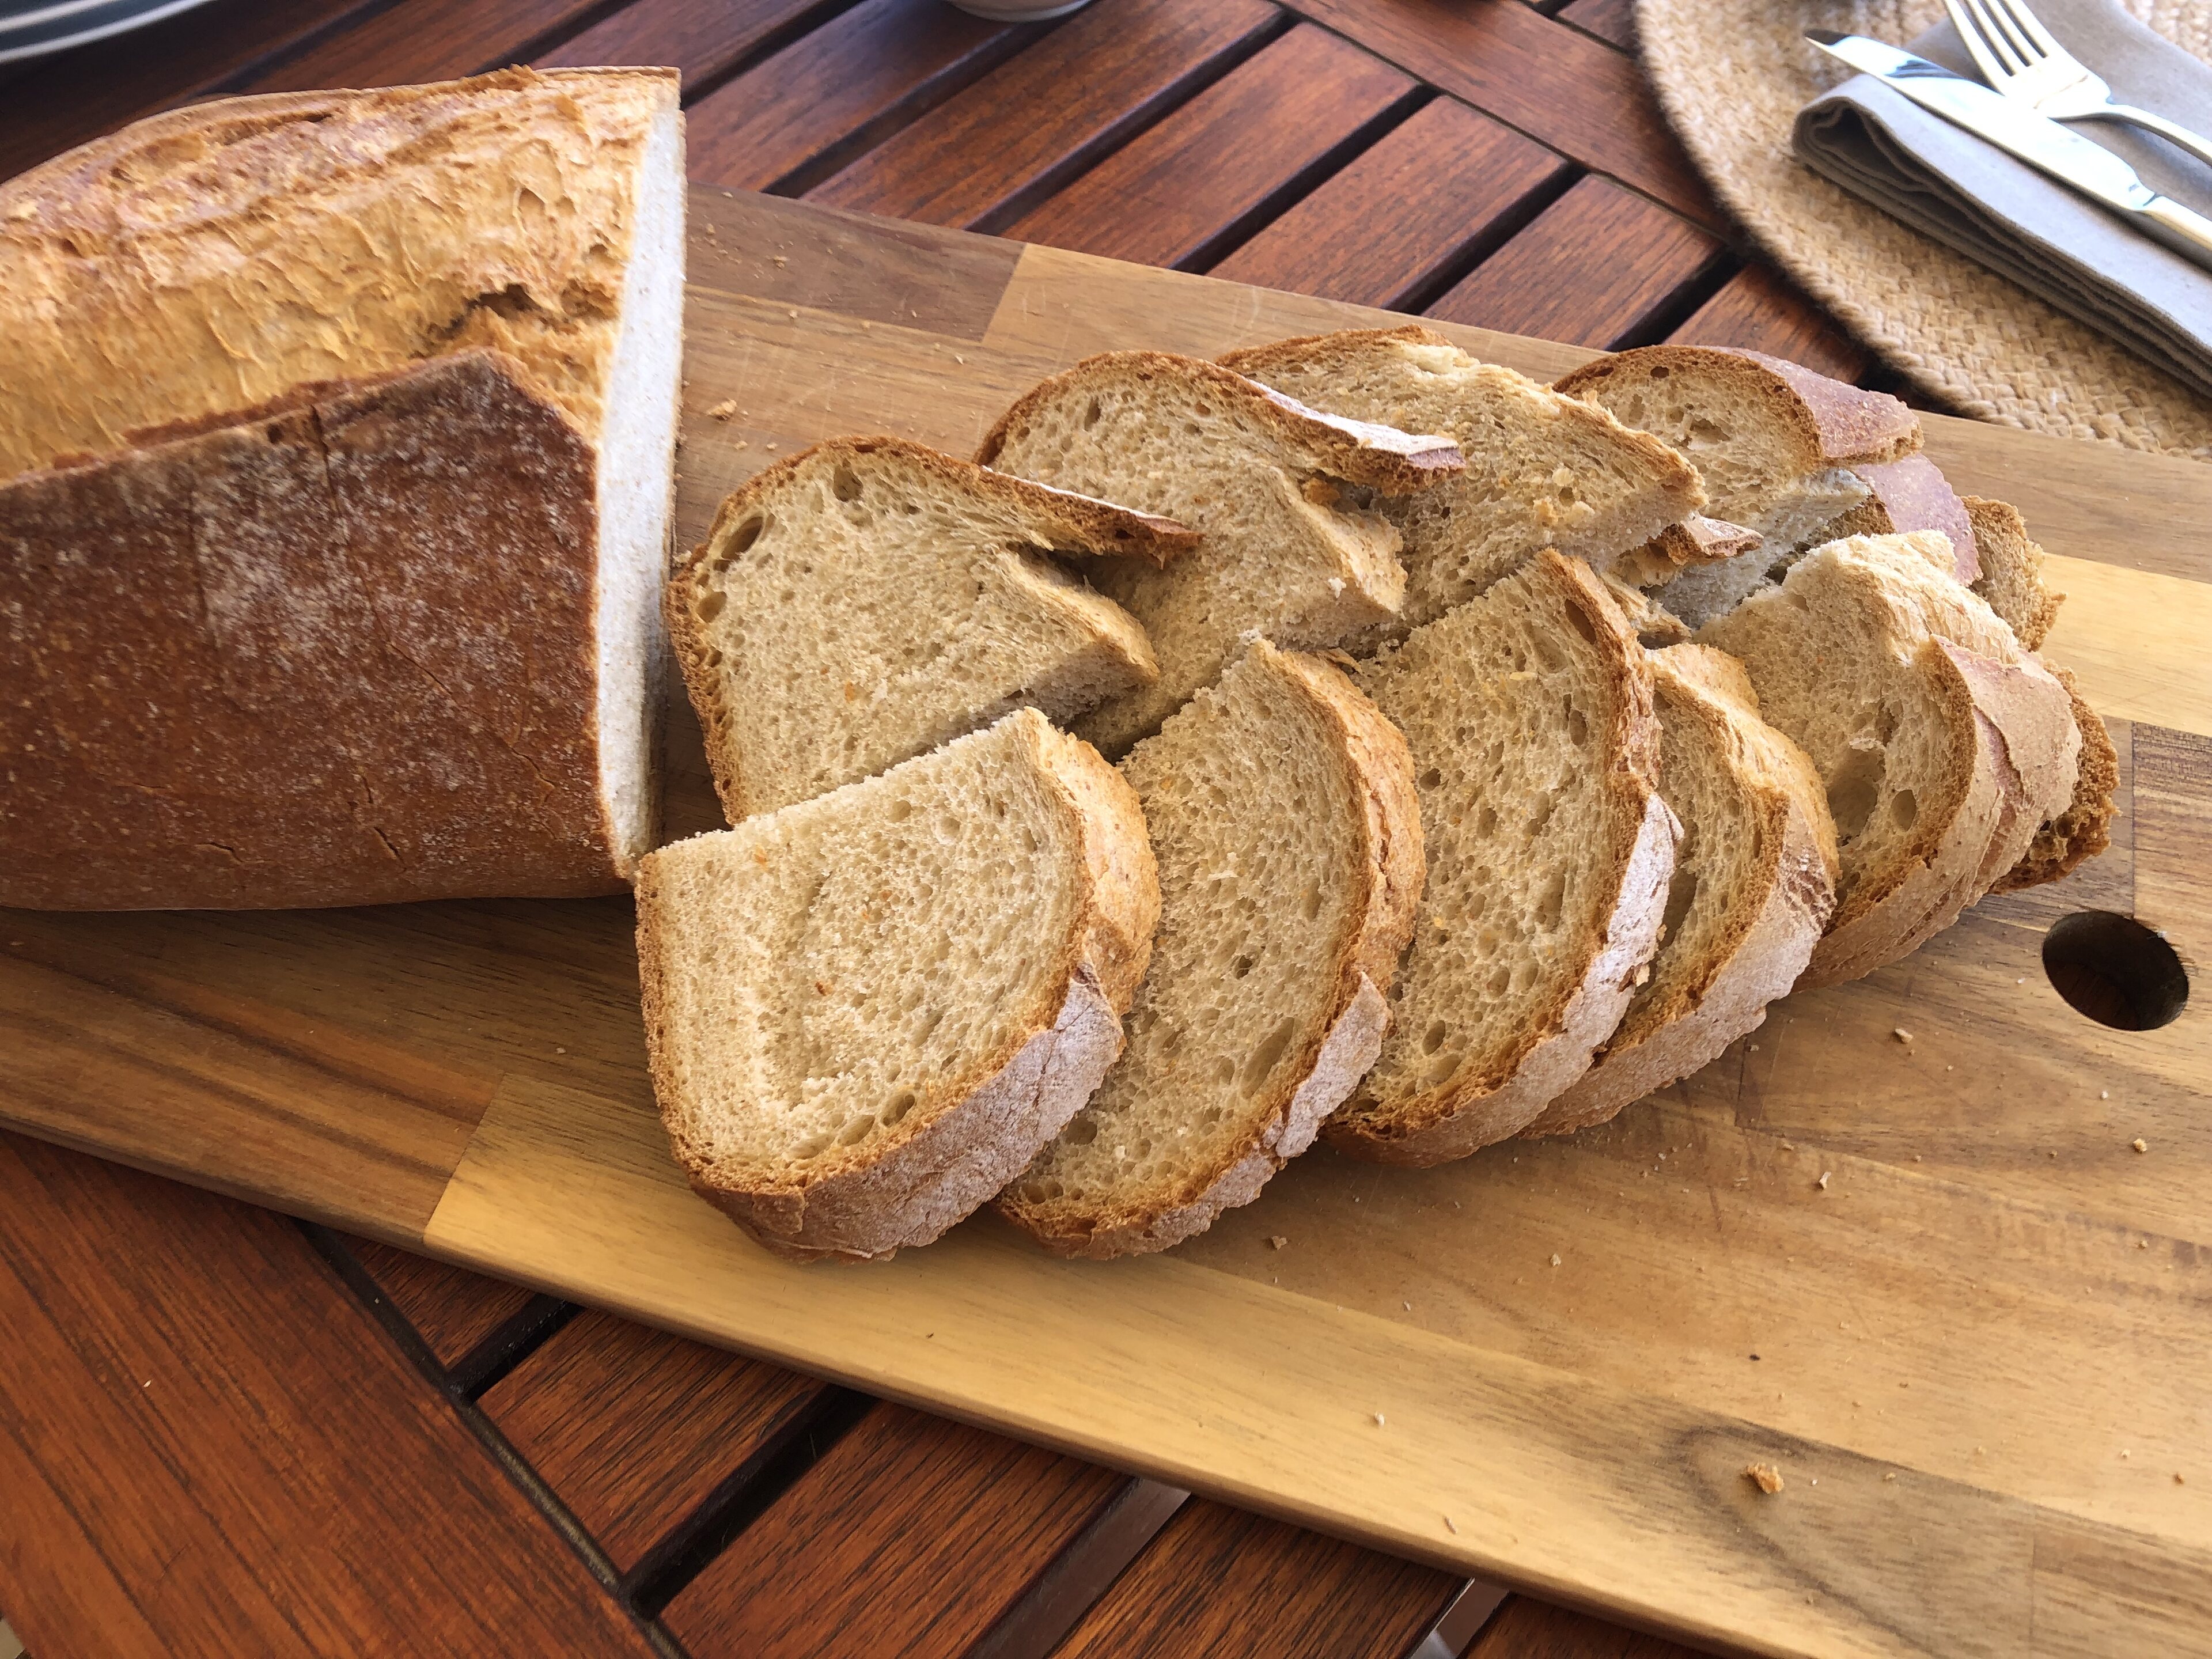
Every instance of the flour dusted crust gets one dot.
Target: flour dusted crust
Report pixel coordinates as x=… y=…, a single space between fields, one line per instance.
x=376 y=392
x=325 y=735
x=216 y=256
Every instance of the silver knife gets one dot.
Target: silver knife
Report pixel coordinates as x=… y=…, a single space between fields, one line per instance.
x=2041 y=143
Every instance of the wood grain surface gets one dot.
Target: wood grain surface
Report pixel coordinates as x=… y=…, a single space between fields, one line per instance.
x=207 y=1395
x=1993 y=1297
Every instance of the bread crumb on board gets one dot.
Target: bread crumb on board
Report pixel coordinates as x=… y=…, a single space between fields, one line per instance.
x=1902 y=1036
x=725 y=410
x=1278 y=1240
x=1765 y=1476
x=1452 y=1526
x=1822 y=1184
x=2139 y=1144
x=1378 y=1419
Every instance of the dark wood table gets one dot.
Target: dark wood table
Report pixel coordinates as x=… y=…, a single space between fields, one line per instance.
x=223 y=1433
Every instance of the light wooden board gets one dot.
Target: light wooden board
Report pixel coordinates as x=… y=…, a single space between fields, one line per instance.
x=1982 y=1349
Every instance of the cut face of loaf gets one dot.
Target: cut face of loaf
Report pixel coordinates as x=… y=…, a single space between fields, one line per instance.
x=363 y=242
x=865 y=601
x=1281 y=809
x=1941 y=743
x=1542 y=469
x=1271 y=486
x=1753 y=884
x=866 y=1012
x=1535 y=752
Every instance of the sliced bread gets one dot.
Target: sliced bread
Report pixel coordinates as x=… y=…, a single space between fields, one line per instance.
x=1942 y=744
x=1272 y=485
x=2011 y=570
x=1775 y=443
x=1907 y=494
x=2084 y=829
x=1535 y=752
x=1281 y=809
x=1542 y=469
x=1681 y=548
x=866 y=1012
x=1754 y=882
x=868 y=599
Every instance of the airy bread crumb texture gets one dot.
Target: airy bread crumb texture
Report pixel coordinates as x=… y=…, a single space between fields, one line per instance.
x=1282 y=814
x=1941 y=743
x=1276 y=490
x=1543 y=470
x=867 y=1012
x=1530 y=714
x=869 y=599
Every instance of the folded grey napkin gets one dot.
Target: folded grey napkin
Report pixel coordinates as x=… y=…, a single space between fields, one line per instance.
x=2087 y=262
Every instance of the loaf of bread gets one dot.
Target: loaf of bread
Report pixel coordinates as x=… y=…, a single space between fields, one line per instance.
x=1754 y=881
x=1281 y=809
x=335 y=485
x=1274 y=487
x=866 y=1013
x=1542 y=469
x=1536 y=753
x=862 y=602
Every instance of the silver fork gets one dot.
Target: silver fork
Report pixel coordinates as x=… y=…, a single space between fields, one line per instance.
x=2019 y=57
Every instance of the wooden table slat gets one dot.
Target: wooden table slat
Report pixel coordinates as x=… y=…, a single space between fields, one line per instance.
x=802 y=111
x=1760 y=309
x=450 y=1308
x=79 y=95
x=1527 y=1628
x=1379 y=232
x=632 y=1428
x=426 y=41
x=207 y=1402
x=912 y=1535
x=1170 y=194
x=1577 y=94
x=1609 y=20
x=1593 y=269
x=1219 y=1583
x=702 y=38
x=982 y=156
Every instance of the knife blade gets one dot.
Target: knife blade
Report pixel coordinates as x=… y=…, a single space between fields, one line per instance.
x=2045 y=145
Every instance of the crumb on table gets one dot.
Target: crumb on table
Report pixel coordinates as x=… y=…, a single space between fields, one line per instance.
x=1765 y=1476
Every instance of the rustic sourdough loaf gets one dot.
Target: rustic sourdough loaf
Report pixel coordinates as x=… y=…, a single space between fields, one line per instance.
x=1269 y=483
x=1281 y=809
x=1753 y=883
x=337 y=458
x=1528 y=713
x=1774 y=441
x=867 y=1012
x=1943 y=745
x=864 y=602
x=1542 y=469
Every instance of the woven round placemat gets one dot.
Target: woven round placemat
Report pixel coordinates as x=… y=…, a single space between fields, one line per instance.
x=1732 y=75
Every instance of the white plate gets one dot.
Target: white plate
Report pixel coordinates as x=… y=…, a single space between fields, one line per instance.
x=56 y=27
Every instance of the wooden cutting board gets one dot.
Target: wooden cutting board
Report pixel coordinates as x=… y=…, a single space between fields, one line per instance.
x=1933 y=1282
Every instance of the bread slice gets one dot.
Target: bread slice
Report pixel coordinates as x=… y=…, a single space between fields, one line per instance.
x=1282 y=813
x=1272 y=485
x=868 y=599
x=1775 y=443
x=1542 y=471
x=1943 y=745
x=1905 y=496
x=2011 y=570
x=454 y=620
x=2084 y=830
x=866 y=1013
x=1753 y=884
x=1535 y=752
x=1681 y=548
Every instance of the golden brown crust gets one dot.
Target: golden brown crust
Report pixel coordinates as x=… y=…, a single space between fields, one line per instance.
x=2085 y=827
x=138 y=272
x=354 y=704
x=1834 y=424
x=1382 y=458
